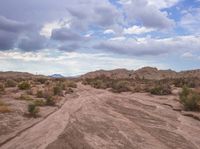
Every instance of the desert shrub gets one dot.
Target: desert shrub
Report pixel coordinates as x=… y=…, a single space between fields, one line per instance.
x=190 y=99
x=189 y=82
x=57 y=90
x=42 y=80
x=2 y=88
x=50 y=101
x=24 y=85
x=40 y=94
x=161 y=90
x=33 y=110
x=10 y=83
x=121 y=86
x=25 y=97
x=39 y=102
x=71 y=84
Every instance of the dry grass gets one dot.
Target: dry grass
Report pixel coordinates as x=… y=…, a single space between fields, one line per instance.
x=4 y=108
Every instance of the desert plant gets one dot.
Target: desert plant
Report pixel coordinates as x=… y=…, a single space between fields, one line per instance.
x=40 y=94
x=33 y=110
x=24 y=85
x=161 y=90
x=69 y=90
x=57 y=90
x=42 y=80
x=39 y=102
x=10 y=83
x=25 y=97
x=121 y=86
x=50 y=101
x=2 y=88
x=190 y=99
x=71 y=84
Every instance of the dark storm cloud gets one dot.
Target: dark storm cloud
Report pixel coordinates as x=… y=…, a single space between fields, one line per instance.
x=70 y=47
x=65 y=35
x=151 y=46
x=32 y=42
x=7 y=40
x=11 y=25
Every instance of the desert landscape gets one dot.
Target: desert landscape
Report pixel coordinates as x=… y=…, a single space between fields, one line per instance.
x=99 y=74
x=146 y=108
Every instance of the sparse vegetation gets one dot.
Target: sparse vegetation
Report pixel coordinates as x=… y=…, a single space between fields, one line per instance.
x=50 y=101
x=39 y=102
x=190 y=99
x=24 y=85
x=161 y=90
x=25 y=97
x=121 y=86
x=33 y=110
x=10 y=83
x=40 y=94
x=2 y=88
x=57 y=90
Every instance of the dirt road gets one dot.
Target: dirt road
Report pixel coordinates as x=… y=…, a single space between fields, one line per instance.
x=99 y=119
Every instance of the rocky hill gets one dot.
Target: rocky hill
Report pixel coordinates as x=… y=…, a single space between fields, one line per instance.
x=145 y=72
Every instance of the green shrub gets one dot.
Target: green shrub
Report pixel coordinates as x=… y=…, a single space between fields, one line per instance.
x=24 y=85
x=50 y=101
x=25 y=97
x=33 y=110
x=161 y=90
x=40 y=94
x=2 y=88
x=190 y=99
x=10 y=83
x=57 y=90
x=121 y=86
x=39 y=102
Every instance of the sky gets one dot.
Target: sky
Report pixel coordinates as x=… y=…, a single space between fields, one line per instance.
x=74 y=37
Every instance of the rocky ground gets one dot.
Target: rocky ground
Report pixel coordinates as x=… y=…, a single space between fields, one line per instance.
x=99 y=119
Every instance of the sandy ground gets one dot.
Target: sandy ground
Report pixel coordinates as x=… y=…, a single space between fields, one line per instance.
x=99 y=119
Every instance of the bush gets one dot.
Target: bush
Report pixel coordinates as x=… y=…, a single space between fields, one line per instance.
x=71 y=84
x=190 y=99
x=2 y=88
x=50 y=101
x=40 y=94
x=161 y=90
x=57 y=90
x=42 y=80
x=39 y=102
x=33 y=110
x=10 y=83
x=121 y=86
x=24 y=86
x=25 y=97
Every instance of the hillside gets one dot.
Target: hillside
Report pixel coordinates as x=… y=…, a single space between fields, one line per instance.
x=145 y=72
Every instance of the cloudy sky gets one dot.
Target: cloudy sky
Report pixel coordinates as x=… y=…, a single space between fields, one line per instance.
x=72 y=37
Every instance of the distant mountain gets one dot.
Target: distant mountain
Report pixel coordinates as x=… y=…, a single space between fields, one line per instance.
x=145 y=72
x=56 y=76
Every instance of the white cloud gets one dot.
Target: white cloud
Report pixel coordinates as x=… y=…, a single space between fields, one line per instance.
x=120 y=38
x=137 y=30
x=160 y=4
x=48 y=27
x=109 y=31
x=67 y=63
x=187 y=55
